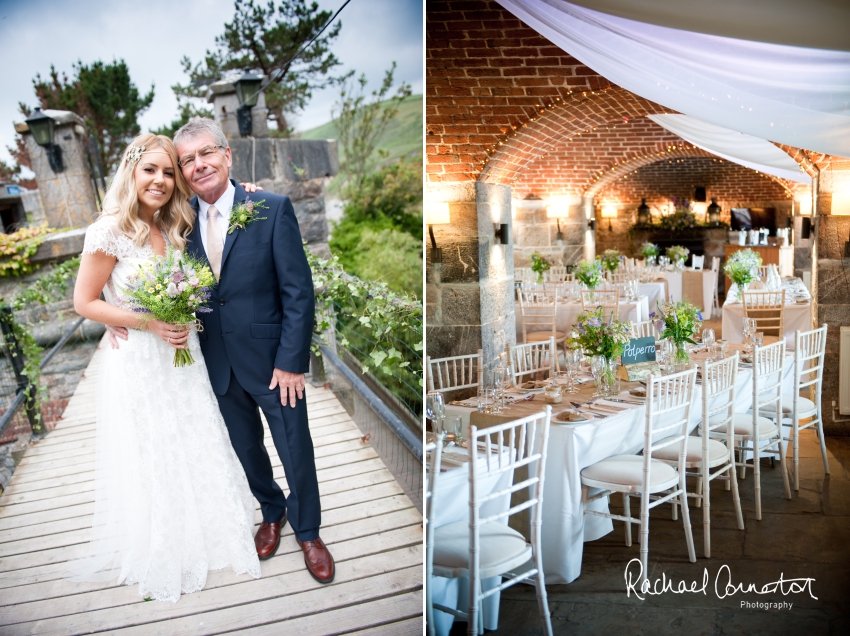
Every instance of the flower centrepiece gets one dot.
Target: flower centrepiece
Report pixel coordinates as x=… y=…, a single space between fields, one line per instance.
x=743 y=267
x=680 y=322
x=678 y=253
x=172 y=289
x=649 y=250
x=589 y=273
x=610 y=260
x=539 y=264
x=245 y=213
x=598 y=337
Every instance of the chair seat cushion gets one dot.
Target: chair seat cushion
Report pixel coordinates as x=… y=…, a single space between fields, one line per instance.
x=624 y=473
x=717 y=452
x=805 y=407
x=499 y=544
x=540 y=336
x=742 y=424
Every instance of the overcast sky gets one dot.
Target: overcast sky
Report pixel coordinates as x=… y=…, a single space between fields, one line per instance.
x=153 y=36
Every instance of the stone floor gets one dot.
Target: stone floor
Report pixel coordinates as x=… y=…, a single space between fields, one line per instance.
x=807 y=537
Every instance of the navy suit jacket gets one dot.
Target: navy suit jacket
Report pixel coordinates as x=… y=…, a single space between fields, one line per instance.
x=263 y=307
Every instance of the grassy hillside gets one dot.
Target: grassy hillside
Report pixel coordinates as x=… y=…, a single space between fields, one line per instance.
x=403 y=135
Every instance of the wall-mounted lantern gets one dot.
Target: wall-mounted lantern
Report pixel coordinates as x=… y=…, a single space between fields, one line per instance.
x=436 y=213
x=42 y=127
x=247 y=92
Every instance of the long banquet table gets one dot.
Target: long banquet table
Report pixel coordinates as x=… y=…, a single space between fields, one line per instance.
x=798 y=313
x=694 y=286
x=567 y=314
x=573 y=447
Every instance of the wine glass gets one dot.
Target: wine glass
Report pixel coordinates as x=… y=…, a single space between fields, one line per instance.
x=597 y=364
x=707 y=337
x=663 y=354
x=435 y=410
x=454 y=430
x=749 y=330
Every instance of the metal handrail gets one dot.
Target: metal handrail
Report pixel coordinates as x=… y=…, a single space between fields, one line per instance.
x=393 y=422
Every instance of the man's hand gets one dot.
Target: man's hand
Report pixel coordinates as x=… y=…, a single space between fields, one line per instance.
x=291 y=384
x=115 y=333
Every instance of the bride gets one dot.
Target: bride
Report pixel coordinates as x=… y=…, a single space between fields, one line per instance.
x=171 y=498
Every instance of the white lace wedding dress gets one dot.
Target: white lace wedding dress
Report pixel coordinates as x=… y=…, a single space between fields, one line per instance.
x=172 y=500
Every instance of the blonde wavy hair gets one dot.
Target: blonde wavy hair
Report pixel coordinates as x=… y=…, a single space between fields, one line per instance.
x=176 y=218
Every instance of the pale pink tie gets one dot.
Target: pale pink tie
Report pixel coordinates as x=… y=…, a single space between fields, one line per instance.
x=214 y=244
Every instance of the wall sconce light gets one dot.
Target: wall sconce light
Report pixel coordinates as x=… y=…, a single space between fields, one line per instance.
x=436 y=213
x=592 y=225
x=559 y=208
x=644 y=215
x=713 y=213
x=609 y=212
x=501 y=235
x=42 y=127
x=840 y=204
x=804 y=203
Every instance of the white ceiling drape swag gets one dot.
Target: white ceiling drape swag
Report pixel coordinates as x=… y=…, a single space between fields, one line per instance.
x=739 y=148
x=788 y=94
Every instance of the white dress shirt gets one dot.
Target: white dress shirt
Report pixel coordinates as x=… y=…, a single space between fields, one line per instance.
x=223 y=205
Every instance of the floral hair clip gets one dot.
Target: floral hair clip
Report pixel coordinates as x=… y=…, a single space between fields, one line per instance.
x=134 y=154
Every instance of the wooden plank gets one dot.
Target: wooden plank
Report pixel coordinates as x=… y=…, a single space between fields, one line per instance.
x=15 y=570
x=298 y=596
x=384 y=617
x=230 y=590
x=46 y=516
x=366 y=545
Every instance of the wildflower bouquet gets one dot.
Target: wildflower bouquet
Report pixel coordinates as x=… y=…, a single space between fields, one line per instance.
x=539 y=264
x=679 y=322
x=611 y=260
x=598 y=337
x=649 y=250
x=678 y=253
x=589 y=273
x=172 y=289
x=743 y=267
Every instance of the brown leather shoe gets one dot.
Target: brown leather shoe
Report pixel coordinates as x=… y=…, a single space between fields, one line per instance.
x=267 y=538
x=318 y=560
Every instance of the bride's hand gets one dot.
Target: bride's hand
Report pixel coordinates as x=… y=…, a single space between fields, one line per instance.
x=175 y=335
x=251 y=187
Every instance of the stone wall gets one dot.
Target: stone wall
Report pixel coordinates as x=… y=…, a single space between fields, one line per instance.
x=469 y=296
x=298 y=168
x=534 y=232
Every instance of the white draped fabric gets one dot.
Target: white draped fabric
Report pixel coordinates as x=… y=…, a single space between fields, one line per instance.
x=746 y=150
x=787 y=94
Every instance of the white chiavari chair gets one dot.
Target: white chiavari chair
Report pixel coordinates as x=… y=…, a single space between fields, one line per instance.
x=618 y=277
x=768 y=309
x=454 y=373
x=754 y=432
x=487 y=547
x=524 y=275
x=668 y=407
x=609 y=299
x=644 y=329
x=531 y=359
x=697 y=262
x=539 y=311
x=436 y=450
x=763 y=272
x=810 y=348
x=709 y=459
x=555 y=274
x=715 y=267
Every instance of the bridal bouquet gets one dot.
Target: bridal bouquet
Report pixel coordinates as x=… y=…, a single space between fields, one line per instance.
x=172 y=289
x=611 y=260
x=589 y=273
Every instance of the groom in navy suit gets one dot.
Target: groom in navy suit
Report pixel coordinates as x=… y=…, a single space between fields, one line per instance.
x=256 y=341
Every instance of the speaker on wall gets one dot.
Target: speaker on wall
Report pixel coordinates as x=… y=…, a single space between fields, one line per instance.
x=699 y=194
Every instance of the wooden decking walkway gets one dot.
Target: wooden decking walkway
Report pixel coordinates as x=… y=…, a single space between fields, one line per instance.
x=372 y=528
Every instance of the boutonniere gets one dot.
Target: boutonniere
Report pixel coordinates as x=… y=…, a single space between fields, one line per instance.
x=244 y=214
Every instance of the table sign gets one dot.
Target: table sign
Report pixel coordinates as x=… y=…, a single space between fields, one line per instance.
x=638 y=360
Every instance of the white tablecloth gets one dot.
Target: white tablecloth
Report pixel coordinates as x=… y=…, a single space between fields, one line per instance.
x=568 y=312
x=653 y=292
x=452 y=505
x=798 y=317
x=574 y=447
x=695 y=286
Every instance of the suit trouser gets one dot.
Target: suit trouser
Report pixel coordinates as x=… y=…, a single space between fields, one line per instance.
x=291 y=434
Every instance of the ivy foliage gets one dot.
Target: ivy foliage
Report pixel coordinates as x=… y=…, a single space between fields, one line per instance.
x=376 y=307
x=50 y=287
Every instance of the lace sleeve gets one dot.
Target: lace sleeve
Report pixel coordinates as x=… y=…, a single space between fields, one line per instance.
x=101 y=237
